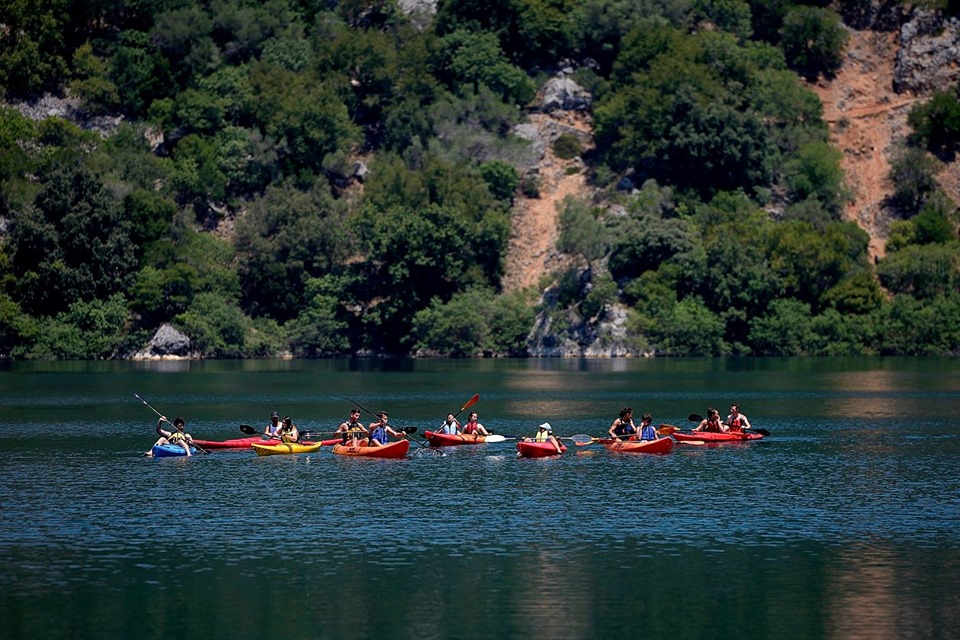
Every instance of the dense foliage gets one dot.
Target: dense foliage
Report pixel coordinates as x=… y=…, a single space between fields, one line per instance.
x=327 y=178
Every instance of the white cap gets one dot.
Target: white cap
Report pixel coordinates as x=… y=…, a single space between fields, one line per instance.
x=546 y=425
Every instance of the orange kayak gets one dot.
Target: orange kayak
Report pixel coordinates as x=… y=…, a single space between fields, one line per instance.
x=437 y=439
x=663 y=445
x=396 y=449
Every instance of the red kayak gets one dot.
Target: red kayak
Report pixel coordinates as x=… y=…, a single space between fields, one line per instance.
x=713 y=436
x=538 y=449
x=663 y=445
x=396 y=449
x=236 y=443
x=437 y=439
x=244 y=443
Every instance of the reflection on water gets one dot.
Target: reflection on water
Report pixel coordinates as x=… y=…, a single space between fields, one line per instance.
x=843 y=524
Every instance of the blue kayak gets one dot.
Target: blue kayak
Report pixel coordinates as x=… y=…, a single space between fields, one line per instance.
x=170 y=451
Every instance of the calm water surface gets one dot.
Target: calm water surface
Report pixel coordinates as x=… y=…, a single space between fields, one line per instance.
x=845 y=523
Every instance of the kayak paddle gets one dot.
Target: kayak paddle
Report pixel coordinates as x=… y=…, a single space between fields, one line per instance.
x=414 y=440
x=469 y=403
x=164 y=418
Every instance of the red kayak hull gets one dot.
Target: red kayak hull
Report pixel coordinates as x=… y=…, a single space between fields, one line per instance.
x=244 y=443
x=236 y=443
x=712 y=436
x=452 y=440
x=538 y=449
x=396 y=449
x=663 y=445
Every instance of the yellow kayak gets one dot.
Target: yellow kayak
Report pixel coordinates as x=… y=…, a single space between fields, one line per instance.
x=285 y=448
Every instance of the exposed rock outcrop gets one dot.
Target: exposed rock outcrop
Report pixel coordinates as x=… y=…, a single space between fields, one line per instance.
x=564 y=94
x=929 y=54
x=167 y=344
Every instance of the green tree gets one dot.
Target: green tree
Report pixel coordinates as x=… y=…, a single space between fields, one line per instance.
x=72 y=243
x=936 y=122
x=285 y=239
x=688 y=328
x=813 y=41
x=215 y=326
x=582 y=232
x=474 y=322
x=529 y=31
x=139 y=73
x=923 y=271
x=814 y=173
x=320 y=330
x=502 y=179
x=307 y=119
x=907 y=326
x=33 y=53
x=412 y=257
x=732 y=16
x=475 y=58
x=786 y=329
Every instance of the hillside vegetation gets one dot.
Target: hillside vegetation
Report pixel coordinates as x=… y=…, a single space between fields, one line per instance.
x=333 y=178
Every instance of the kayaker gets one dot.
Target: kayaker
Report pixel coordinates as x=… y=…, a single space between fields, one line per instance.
x=177 y=436
x=647 y=431
x=352 y=429
x=712 y=422
x=545 y=434
x=450 y=426
x=474 y=428
x=736 y=421
x=380 y=430
x=288 y=431
x=622 y=426
x=272 y=430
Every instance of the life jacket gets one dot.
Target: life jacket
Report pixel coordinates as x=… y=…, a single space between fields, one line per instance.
x=648 y=433
x=542 y=436
x=713 y=425
x=470 y=428
x=176 y=437
x=735 y=423
x=380 y=435
x=285 y=433
x=624 y=429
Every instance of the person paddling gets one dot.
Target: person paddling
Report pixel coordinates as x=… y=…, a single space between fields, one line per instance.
x=178 y=436
x=351 y=430
x=474 y=428
x=272 y=430
x=288 y=431
x=712 y=422
x=736 y=421
x=647 y=430
x=450 y=426
x=380 y=431
x=622 y=426
x=545 y=434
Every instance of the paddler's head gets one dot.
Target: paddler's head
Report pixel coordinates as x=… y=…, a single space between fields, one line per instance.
x=179 y=423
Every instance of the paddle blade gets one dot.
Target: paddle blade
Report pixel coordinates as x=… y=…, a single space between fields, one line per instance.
x=695 y=417
x=762 y=432
x=472 y=401
x=692 y=442
x=407 y=429
x=667 y=429
x=247 y=429
x=495 y=438
x=582 y=439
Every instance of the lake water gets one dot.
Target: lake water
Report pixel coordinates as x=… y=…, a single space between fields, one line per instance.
x=844 y=524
